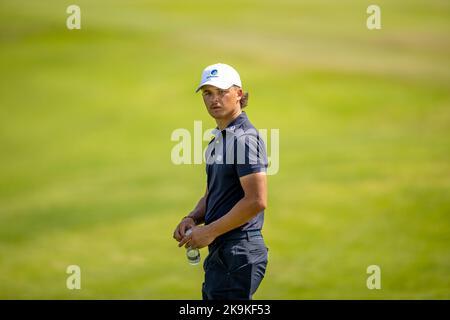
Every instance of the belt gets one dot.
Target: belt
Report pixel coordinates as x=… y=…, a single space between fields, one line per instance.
x=237 y=235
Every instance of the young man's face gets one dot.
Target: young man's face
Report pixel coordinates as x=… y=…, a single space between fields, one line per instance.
x=221 y=103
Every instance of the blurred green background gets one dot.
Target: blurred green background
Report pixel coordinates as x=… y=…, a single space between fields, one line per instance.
x=86 y=117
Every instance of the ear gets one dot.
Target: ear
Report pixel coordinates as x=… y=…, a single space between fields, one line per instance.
x=240 y=93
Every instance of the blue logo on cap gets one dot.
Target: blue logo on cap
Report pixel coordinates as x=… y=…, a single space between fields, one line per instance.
x=212 y=74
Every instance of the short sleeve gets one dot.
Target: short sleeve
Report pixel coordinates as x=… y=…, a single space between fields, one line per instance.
x=250 y=154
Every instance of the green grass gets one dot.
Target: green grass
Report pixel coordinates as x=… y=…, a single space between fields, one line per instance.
x=85 y=124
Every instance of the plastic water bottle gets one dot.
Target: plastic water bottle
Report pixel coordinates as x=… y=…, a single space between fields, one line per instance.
x=193 y=255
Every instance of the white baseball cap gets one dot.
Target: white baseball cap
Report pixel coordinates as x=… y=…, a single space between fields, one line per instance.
x=220 y=75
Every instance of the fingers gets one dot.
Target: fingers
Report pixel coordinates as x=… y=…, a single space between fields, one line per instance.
x=180 y=231
x=176 y=234
x=184 y=241
x=190 y=243
x=183 y=230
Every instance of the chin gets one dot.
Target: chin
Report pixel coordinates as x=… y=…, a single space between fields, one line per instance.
x=217 y=117
x=217 y=114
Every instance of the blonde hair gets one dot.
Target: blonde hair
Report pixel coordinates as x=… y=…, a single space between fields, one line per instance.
x=244 y=100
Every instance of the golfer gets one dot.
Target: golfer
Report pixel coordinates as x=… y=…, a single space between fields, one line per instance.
x=232 y=208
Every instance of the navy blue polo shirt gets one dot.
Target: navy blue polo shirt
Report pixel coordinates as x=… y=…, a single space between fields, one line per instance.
x=234 y=152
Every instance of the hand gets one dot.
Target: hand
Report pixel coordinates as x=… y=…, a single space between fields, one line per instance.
x=200 y=237
x=183 y=226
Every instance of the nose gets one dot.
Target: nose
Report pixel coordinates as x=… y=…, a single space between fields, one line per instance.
x=215 y=97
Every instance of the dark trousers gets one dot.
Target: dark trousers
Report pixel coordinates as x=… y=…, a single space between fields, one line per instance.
x=235 y=266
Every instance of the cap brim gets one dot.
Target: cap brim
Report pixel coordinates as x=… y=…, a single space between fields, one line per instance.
x=215 y=83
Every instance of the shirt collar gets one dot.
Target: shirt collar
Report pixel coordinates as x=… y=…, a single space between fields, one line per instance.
x=231 y=127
